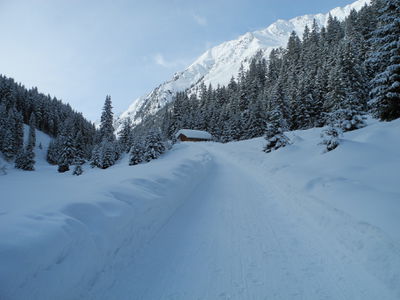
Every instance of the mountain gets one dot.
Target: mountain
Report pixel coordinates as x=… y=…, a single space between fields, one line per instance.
x=218 y=64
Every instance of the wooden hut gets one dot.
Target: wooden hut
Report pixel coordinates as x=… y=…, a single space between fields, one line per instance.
x=189 y=135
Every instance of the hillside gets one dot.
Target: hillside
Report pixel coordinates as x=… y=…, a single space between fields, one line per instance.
x=212 y=221
x=220 y=63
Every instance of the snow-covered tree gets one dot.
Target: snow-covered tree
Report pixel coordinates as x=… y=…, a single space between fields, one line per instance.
x=25 y=159
x=347 y=93
x=96 y=157
x=136 y=154
x=53 y=152
x=32 y=132
x=109 y=154
x=107 y=151
x=67 y=153
x=125 y=135
x=77 y=170
x=8 y=148
x=385 y=94
x=274 y=133
x=154 y=146
x=107 y=121
x=331 y=137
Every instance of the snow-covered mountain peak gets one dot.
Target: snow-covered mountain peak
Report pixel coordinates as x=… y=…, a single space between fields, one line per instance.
x=218 y=64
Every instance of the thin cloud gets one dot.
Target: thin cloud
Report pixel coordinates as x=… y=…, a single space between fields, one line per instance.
x=160 y=60
x=202 y=21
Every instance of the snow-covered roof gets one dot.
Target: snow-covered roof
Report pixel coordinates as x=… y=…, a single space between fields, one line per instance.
x=195 y=134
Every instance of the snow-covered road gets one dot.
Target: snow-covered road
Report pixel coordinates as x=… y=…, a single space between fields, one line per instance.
x=239 y=235
x=210 y=221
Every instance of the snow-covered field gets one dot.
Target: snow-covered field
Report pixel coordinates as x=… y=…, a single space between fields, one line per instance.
x=211 y=221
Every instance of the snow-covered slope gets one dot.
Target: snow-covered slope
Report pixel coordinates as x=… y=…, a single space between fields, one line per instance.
x=42 y=143
x=211 y=221
x=59 y=233
x=219 y=64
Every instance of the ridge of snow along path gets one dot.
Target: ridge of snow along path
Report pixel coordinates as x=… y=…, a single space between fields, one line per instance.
x=227 y=221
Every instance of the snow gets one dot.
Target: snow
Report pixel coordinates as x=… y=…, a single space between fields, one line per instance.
x=218 y=64
x=197 y=134
x=42 y=143
x=212 y=221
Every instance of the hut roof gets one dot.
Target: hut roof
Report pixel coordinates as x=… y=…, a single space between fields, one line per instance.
x=194 y=134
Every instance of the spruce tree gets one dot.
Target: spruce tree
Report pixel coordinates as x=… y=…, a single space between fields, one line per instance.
x=274 y=132
x=97 y=157
x=106 y=121
x=136 y=153
x=385 y=94
x=108 y=153
x=53 y=152
x=32 y=132
x=331 y=137
x=66 y=147
x=26 y=158
x=8 y=145
x=125 y=135
x=347 y=90
x=77 y=170
x=18 y=132
x=154 y=145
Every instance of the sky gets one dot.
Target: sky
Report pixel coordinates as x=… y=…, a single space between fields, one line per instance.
x=81 y=51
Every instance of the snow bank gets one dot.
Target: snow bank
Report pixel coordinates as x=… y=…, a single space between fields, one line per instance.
x=59 y=233
x=360 y=176
x=352 y=193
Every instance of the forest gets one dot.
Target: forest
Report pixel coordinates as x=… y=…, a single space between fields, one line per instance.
x=331 y=76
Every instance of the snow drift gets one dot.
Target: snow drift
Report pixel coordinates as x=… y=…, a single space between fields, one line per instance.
x=59 y=232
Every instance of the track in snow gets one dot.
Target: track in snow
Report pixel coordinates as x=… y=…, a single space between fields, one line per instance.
x=238 y=236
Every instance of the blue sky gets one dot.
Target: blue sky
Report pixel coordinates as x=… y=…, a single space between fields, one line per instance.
x=80 y=51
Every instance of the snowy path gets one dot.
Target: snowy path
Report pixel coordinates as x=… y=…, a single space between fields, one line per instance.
x=240 y=236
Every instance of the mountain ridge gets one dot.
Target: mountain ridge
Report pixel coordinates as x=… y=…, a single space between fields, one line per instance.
x=218 y=64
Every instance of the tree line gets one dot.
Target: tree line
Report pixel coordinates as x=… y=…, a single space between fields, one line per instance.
x=19 y=106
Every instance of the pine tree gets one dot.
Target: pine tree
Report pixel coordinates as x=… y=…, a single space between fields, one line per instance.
x=8 y=145
x=77 y=170
x=26 y=158
x=106 y=121
x=274 y=133
x=66 y=147
x=154 y=146
x=109 y=154
x=125 y=135
x=53 y=152
x=385 y=94
x=136 y=153
x=3 y=124
x=331 y=137
x=347 y=94
x=96 y=157
x=256 y=122
x=18 y=132
x=32 y=132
